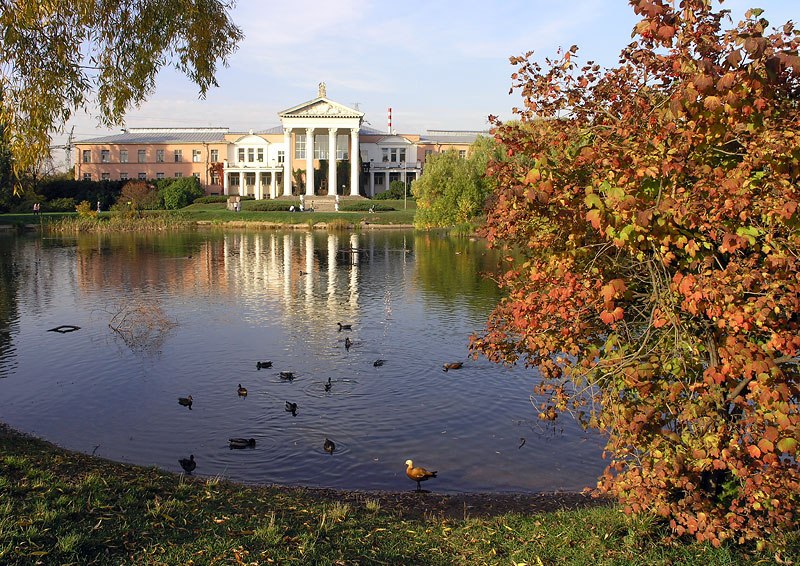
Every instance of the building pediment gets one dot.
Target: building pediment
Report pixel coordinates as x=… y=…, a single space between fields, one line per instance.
x=321 y=107
x=393 y=141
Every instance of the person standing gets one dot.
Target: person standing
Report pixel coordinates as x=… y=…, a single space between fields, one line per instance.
x=336 y=206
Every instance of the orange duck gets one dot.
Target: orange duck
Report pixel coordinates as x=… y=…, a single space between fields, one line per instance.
x=418 y=474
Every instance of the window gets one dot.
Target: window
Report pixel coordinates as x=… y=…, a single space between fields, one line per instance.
x=462 y=153
x=385 y=154
x=215 y=156
x=142 y=176
x=123 y=155
x=87 y=155
x=240 y=155
x=215 y=178
x=341 y=147
x=195 y=156
x=379 y=179
x=300 y=146
x=178 y=155
x=251 y=154
x=402 y=153
x=178 y=174
x=105 y=156
x=142 y=155
x=159 y=175
x=105 y=176
x=87 y=176
x=320 y=147
x=281 y=156
x=123 y=176
x=159 y=156
x=260 y=155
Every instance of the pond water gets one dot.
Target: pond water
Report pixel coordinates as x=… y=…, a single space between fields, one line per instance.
x=233 y=299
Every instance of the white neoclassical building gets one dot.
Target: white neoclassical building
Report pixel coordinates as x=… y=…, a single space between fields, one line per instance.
x=321 y=147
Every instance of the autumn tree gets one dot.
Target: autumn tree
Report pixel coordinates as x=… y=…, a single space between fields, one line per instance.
x=453 y=189
x=653 y=212
x=59 y=55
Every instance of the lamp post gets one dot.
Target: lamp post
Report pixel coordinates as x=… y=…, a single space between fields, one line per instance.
x=405 y=186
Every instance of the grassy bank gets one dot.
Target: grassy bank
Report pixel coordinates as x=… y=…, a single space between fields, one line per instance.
x=59 y=507
x=216 y=214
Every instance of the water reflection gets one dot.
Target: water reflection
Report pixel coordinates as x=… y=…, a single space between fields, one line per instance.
x=244 y=299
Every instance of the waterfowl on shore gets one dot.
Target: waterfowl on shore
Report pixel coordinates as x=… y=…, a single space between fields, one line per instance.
x=328 y=385
x=329 y=446
x=418 y=474
x=242 y=391
x=188 y=464
x=344 y=326
x=452 y=365
x=263 y=365
x=347 y=343
x=291 y=408
x=185 y=401
x=239 y=443
x=287 y=375
x=378 y=363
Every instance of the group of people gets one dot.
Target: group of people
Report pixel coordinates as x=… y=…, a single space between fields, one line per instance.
x=37 y=208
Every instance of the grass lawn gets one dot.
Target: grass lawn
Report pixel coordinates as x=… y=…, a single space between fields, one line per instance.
x=60 y=507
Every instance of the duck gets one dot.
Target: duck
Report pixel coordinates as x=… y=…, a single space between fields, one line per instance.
x=452 y=365
x=263 y=365
x=242 y=391
x=291 y=408
x=188 y=464
x=329 y=446
x=240 y=443
x=328 y=385
x=418 y=474
x=287 y=375
x=347 y=343
x=378 y=363
x=344 y=326
x=185 y=401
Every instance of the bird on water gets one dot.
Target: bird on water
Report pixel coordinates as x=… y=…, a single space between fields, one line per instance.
x=452 y=365
x=329 y=446
x=188 y=464
x=240 y=443
x=344 y=326
x=291 y=408
x=418 y=474
x=185 y=401
x=263 y=365
x=242 y=391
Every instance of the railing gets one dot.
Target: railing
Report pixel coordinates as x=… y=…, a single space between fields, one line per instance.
x=395 y=166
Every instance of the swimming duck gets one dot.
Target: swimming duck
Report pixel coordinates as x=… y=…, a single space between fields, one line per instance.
x=240 y=443
x=188 y=464
x=344 y=326
x=291 y=408
x=287 y=375
x=347 y=343
x=452 y=365
x=378 y=363
x=263 y=365
x=418 y=474
x=185 y=401
x=242 y=391
x=329 y=446
x=328 y=385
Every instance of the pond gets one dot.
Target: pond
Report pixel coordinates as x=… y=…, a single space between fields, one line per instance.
x=228 y=300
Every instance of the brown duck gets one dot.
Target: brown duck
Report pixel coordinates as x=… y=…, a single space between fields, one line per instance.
x=452 y=365
x=418 y=474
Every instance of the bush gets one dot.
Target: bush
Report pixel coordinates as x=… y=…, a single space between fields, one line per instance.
x=364 y=206
x=396 y=191
x=86 y=210
x=61 y=205
x=271 y=205
x=181 y=192
x=214 y=199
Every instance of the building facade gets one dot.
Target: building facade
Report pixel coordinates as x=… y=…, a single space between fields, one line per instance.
x=321 y=147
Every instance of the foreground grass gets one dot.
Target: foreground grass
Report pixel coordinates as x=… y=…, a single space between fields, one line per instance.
x=59 y=507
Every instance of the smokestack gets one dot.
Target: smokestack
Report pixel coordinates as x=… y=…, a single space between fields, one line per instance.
x=390 y=120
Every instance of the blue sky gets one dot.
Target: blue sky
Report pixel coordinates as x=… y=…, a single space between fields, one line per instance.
x=439 y=64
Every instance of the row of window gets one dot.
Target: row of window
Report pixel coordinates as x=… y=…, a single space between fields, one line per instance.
x=143 y=176
x=141 y=154
x=255 y=155
x=321 y=148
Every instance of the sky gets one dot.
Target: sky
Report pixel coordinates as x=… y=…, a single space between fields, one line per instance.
x=439 y=64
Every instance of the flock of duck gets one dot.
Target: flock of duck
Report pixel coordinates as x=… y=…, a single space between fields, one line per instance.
x=414 y=473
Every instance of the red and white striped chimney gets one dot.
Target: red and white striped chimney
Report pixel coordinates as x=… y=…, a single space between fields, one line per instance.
x=390 y=120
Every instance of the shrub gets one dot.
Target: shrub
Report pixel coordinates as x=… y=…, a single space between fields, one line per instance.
x=364 y=206
x=271 y=205
x=61 y=205
x=396 y=191
x=86 y=210
x=181 y=192
x=214 y=199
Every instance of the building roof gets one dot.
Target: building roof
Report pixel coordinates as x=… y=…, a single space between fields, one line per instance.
x=162 y=135
x=451 y=136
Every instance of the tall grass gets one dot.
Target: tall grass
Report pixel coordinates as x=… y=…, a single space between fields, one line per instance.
x=115 y=222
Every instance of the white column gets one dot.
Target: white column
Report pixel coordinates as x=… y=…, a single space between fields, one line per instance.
x=309 y=161
x=226 y=184
x=332 y=161
x=273 y=187
x=371 y=183
x=355 y=157
x=258 y=193
x=287 y=162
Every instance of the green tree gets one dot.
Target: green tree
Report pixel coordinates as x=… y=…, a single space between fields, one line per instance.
x=60 y=55
x=453 y=190
x=181 y=192
x=654 y=209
